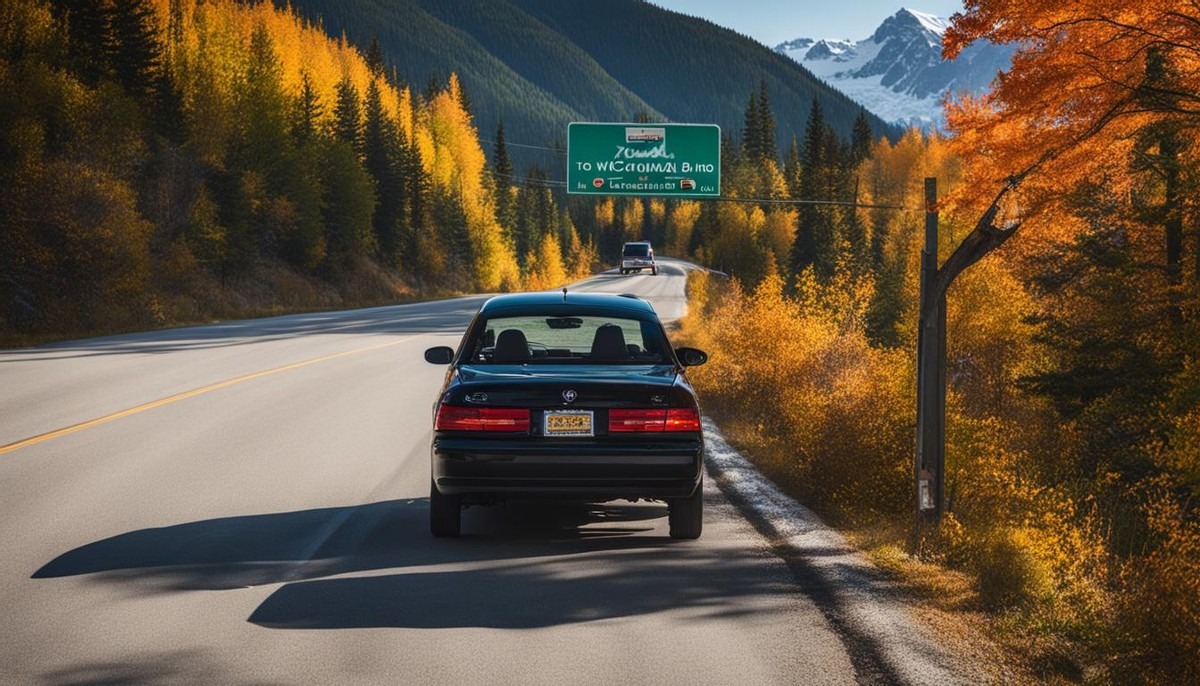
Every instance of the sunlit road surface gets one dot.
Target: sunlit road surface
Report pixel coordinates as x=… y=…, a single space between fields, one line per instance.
x=246 y=503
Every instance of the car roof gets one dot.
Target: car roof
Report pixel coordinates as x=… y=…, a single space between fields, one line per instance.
x=555 y=303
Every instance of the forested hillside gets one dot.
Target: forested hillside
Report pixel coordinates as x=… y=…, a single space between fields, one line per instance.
x=538 y=65
x=423 y=49
x=180 y=160
x=692 y=70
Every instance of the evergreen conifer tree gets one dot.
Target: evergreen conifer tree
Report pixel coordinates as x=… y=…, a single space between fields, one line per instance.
x=751 y=131
x=860 y=139
x=417 y=186
x=168 y=105
x=87 y=36
x=132 y=47
x=791 y=169
x=374 y=58
x=503 y=174
x=809 y=227
x=263 y=108
x=766 y=126
x=730 y=156
x=306 y=111
x=347 y=114
x=381 y=147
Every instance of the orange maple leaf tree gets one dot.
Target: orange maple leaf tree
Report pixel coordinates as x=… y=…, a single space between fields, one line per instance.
x=1093 y=84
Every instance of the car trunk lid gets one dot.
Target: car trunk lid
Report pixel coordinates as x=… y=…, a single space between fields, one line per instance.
x=567 y=386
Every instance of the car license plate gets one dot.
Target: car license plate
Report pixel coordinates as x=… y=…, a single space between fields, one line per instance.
x=568 y=423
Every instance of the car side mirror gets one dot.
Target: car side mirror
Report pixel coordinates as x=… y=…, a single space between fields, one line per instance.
x=691 y=357
x=439 y=355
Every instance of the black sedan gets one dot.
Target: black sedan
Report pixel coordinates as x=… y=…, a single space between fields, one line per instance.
x=566 y=395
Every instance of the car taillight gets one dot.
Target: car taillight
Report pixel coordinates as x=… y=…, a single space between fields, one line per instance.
x=683 y=419
x=453 y=418
x=660 y=419
x=636 y=420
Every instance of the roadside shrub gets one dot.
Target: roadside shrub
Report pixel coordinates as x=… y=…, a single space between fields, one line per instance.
x=824 y=411
x=1158 y=616
x=1009 y=573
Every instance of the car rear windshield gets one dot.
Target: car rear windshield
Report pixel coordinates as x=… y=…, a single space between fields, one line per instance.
x=636 y=250
x=582 y=339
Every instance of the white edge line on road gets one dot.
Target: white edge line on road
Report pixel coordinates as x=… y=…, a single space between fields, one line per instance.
x=903 y=643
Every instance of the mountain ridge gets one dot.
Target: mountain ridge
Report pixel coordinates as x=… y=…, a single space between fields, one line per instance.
x=539 y=65
x=898 y=72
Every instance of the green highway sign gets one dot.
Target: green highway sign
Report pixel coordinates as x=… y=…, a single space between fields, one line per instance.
x=678 y=160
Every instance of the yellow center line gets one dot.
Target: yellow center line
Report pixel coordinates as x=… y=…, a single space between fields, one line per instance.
x=186 y=394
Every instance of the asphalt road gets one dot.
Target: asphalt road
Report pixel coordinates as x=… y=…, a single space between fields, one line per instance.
x=246 y=503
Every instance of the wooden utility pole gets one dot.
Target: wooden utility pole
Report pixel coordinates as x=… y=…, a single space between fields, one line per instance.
x=930 y=463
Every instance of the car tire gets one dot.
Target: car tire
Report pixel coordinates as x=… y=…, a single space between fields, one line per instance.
x=445 y=513
x=685 y=516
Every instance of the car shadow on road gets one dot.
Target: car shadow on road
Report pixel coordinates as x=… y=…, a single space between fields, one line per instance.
x=377 y=566
x=534 y=593
x=252 y=550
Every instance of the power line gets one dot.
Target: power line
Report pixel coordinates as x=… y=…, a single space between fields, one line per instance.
x=787 y=201
x=560 y=151
x=547 y=183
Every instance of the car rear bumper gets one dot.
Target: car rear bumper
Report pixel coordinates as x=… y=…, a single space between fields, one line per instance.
x=541 y=468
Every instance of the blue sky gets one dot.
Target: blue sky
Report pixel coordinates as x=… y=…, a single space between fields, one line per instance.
x=773 y=21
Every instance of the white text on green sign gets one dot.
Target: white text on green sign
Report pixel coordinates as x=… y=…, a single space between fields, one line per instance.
x=637 y=159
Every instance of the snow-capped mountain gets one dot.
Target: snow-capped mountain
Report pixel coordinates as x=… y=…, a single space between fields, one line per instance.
x=898 y=73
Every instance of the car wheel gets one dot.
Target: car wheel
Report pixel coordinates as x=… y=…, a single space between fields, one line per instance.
x=686 y=515
x=445 y=513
